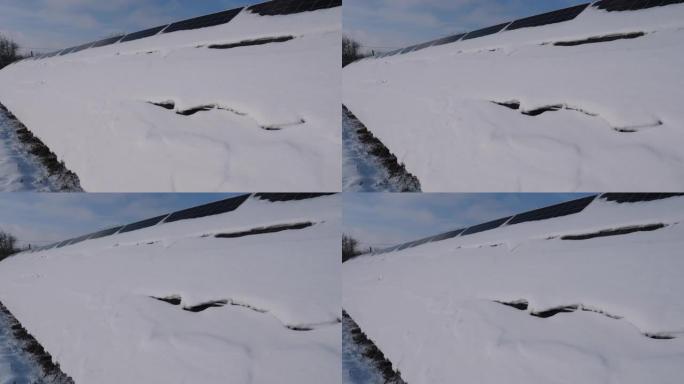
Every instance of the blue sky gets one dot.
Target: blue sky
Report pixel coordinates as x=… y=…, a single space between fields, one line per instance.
x=46 y=25
x=42 y=218
x=382 y=220
x=386 y=24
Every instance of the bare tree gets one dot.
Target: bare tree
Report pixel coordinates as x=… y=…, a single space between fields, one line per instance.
x=9 y=51
x=350 y=247
x=7 y=245
x=351 y=51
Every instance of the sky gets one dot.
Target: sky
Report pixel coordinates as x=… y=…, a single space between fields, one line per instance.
x=48 y=25
x=383 y=220
x=44 y=218
x=383 y=25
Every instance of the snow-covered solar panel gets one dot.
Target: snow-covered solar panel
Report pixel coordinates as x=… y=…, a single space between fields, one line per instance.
x=105 y=233
x=287 y=7
x=632 y=5
x=79 y=239
x=558 y=210
x=142 y=34
x=485 y=31
x=637 y=197
x=67 y=51
x=448 y=235
x=447 y=40
x=549 y=17
x=276 y=197
x=210 y=209
x=142 y=224
x=204 y=21
x=82 y=47
x=107 y=41
x=486 y=226
x=63 y=243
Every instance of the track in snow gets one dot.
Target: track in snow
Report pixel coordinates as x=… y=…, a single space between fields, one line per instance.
x=364 y=171
x=21 y=171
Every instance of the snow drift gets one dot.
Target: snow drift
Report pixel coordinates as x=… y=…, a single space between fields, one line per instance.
x=244 y=296
x=251 y=104
x=591 y=103
x=538 y=301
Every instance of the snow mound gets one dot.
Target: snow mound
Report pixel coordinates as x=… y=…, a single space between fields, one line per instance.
x=590 y=103
x=179 y=302
x=252 y=104
x=533 y=302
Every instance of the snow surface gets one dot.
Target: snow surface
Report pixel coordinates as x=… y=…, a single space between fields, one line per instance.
x=434 y=108
x=432 y=311
x=90 y=304
x=92 y=108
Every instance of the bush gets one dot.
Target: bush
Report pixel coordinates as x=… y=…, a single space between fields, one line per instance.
x=9 y=52
x=7 y=245
x=351 y=51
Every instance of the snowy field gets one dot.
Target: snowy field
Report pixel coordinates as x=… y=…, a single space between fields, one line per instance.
x=268 y=118
x=601 y=310
x=261 y=308
x=615 y=123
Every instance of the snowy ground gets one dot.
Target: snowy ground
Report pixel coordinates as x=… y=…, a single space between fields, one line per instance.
x=277 y=316
x=436 y=310
x=272 y=118
x=20 y=171
x=617 y=124
x=364 y=172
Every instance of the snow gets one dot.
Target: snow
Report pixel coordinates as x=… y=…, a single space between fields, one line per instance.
x=362 y=171
x=15 y=366
x=433 y=309
x=434 y=108
x=19 y=170
x=356 y=368
x=90 y=305
x=92 y=108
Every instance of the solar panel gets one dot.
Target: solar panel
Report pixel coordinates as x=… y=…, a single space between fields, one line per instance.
x=142 y=224
x=67 y=51
x=63 y=243
x=558 y=210
x=276 y=197
x=549 y=17
x=632 y=5
x=448 y=235
x=82 y=47
x=105 y=233
x=204 y=21
x=485 y=226
x=210 y=209
x=107 y=41
x=637 y=197
x=407 y=49
x=142 y=34
x=447 y=40
x=287 y=7
x=485 y=31
x=79 y=239
x=423 y=46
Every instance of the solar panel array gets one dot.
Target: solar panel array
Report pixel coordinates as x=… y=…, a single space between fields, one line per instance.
x=632 y=5
x=547 y=18
x=558 y=210
x=288 y=7
x=275 y=7
x=211 y=209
